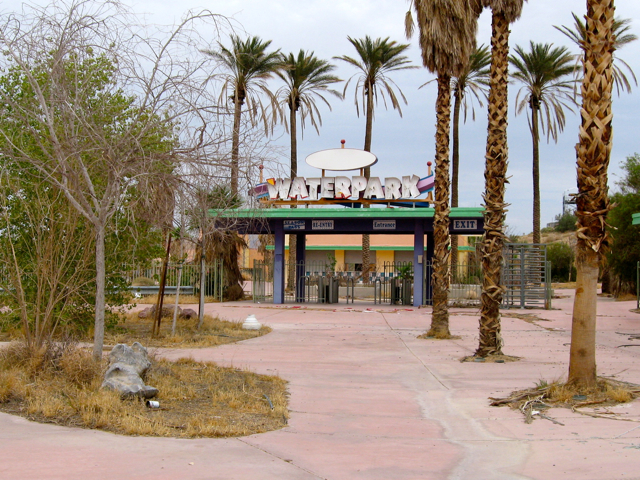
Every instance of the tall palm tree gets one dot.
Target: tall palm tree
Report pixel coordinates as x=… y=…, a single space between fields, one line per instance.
x=375 y=60
x=622 y=36
x=248 y=66
x=307 y=79
x=503 y=13
x=472 y=83
x=543 y=71
x=593 y=154
x=447 y=34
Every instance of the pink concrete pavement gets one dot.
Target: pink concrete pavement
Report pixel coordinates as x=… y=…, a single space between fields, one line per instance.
x=371 y=401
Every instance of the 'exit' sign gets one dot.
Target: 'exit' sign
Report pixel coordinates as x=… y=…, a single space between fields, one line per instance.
x=465 y=224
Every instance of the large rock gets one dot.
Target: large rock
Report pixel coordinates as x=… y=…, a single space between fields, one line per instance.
x=188 y=313
x=167 y=311
x=127 y=366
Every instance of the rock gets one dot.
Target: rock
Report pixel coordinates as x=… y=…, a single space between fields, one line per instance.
x=127 y=366
x=150 y=312
x=188 y=313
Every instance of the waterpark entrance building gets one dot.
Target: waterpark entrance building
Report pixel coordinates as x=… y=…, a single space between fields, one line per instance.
x=303 y=222
x=340 y=205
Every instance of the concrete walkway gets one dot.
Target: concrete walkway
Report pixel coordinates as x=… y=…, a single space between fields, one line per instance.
x=371 y=401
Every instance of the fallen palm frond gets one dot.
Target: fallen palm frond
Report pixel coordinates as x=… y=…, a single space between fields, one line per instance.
x=536 y=401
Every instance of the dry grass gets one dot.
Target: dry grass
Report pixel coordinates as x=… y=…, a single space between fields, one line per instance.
x=490 y=359
x=438 y=336
x=214 y=331
x=171 y=300
x=626 y=297
x=536 y=401
x=60 y=384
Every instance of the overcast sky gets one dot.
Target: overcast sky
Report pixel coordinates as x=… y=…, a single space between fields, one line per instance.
x=404 y=145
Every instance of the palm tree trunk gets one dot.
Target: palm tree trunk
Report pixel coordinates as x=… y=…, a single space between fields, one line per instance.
x=366 y=239
x=369 y=124
x=455 y=164
x=291 y=270
x=440 y=278
x=536 y=172
x=235 y=146
x=490 y=341
x=582 y=364
x=593 y=152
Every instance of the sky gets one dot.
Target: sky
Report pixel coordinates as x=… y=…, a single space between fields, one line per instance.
x=405 y=144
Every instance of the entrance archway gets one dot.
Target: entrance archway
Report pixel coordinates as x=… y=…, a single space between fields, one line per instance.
x=321 y=221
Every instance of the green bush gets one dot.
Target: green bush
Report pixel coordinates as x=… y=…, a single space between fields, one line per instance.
x=566 y=223
x=562 y=259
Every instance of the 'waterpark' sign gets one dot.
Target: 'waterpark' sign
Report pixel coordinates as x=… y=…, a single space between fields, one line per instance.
x=340 y=187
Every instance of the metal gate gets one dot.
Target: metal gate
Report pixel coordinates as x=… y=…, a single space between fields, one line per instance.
x=394 y=285
x=320 y=282
x=525 y=274
x=185 y=274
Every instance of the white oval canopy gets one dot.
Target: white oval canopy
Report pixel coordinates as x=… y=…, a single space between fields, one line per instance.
x=341 y=159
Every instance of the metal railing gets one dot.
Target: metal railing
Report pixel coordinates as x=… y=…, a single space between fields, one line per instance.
x=527 y=281
x=187 y=275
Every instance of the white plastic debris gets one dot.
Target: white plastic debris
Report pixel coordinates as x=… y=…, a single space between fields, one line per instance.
x=251 y=323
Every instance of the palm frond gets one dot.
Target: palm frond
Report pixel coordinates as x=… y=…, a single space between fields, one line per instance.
x=376 y=59
x=623 y=36
x=542 y=71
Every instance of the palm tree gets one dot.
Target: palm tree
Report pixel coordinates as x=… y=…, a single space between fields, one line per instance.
x=376 y=59
x=447 y=33
x=248 y=66
x=474 y=80
x=503 y=13
x=593 y=154
x=307 y=79
x=622 y=37
x=543 y=71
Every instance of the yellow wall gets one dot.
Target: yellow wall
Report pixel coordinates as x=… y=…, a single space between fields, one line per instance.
x=383 y=256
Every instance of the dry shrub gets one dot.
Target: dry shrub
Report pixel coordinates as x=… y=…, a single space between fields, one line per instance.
x=62 y=357
x=9 y=382
x=79 y=367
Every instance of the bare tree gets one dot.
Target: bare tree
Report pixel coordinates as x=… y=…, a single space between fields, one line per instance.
x=98 y=102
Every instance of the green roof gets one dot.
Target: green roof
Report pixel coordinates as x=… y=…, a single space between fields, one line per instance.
x=458 y=212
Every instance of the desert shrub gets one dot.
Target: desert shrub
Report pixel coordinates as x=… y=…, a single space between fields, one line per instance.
x=562 y=258
x=143 y=282
x=625 y=245
x=566 y=223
